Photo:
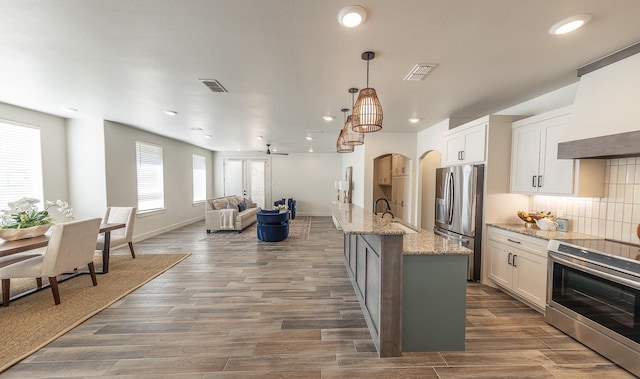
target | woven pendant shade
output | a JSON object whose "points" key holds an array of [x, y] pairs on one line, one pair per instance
{"points": [[350, 136], [367, 113], [341, 147]]}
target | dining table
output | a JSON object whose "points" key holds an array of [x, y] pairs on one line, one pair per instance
{"points": [[19, 246]]}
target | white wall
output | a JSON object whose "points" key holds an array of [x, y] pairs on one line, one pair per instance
{"points": [[86, 165], [306, 177], [120, 158], [54, 147]]}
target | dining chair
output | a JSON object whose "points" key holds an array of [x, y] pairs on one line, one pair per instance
{"points": [[124, 215], [71, 245]]}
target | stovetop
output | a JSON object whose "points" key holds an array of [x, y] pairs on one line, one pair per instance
{"points": [[604, 252], [608, 247]]}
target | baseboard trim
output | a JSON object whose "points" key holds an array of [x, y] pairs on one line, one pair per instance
{"points": [[168, 228]]}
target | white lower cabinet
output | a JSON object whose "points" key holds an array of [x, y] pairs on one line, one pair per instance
{"points": [[518, 264]]}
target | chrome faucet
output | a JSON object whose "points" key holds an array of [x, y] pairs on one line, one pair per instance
{"points": [[375, 206]]}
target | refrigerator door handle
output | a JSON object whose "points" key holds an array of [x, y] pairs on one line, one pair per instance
{"points": [[450, 237], [451, 199]]}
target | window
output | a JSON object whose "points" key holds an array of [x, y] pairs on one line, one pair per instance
{"points": [[199, 178], [150, 177], [20, 163]]}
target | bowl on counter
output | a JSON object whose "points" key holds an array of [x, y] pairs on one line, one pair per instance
{"points": [[531, 217], [546, 224]]}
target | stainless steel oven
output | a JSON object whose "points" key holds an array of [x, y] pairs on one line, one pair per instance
{"points": [[595, 298]]}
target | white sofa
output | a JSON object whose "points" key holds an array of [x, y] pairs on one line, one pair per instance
{"points": [[223, 213]]}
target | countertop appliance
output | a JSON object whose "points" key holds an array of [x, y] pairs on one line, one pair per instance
{"points": [[594, 297], [458, 215]]}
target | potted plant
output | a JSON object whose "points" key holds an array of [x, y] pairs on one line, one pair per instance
{"points": [[24, 220]]}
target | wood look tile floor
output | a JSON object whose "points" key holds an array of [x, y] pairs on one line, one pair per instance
{"points": [[287, 310]]}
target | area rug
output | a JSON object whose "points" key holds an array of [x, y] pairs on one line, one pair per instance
{"points": [[298, 230], [33, 321]]}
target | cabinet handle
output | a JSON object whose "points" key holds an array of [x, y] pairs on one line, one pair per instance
{"points": [[509, 258], [514, 260], [533, 181], [539, 180], [514, 241], [462, 155]]}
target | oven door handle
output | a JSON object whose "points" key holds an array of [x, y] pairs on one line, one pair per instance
{"points": [[601, 274]]}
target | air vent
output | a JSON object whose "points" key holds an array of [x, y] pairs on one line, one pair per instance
{"points": [[420, 71], [214, 85]]}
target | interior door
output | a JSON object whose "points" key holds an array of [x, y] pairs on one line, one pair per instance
{"points": [[247, 177]]}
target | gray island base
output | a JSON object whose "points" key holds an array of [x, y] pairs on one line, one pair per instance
{"points": [[411, 287]]}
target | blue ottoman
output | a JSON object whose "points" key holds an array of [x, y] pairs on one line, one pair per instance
{"points": [[272, 225]]}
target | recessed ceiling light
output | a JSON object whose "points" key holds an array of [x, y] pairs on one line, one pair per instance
{"points": [[308, 138], [414, 120], [70, 110], [311, 150], [207, 136], [328, 118], [569, 24], [170, 112], [259, 137], [352, 16]]}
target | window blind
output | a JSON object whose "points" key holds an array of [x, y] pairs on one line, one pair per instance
{"points": [[199, 178], [150, 178], [20, 163]]}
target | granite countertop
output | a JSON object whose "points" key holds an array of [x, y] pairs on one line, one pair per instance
{"points": [[356, 220], [543, 234]]}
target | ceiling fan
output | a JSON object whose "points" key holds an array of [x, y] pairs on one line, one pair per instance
{"points": [[269, 152]]}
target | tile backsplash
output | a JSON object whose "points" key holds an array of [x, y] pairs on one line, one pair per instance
{"points": [[614, 216]]}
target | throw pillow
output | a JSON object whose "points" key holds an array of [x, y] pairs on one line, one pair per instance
{"points": [[241, 207]]}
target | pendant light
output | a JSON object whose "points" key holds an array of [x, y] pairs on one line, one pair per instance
{"points": [[367, 113], [341, 147], [350, 136]]}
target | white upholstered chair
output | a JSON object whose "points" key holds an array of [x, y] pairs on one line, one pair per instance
{"points": [[125, 215], [71, 245]]}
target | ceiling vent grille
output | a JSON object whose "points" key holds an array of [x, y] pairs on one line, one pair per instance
{"points": [[214, 85], [420, 71]]}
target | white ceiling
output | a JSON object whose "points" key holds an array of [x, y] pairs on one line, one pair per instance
{"points": [[287, 63]]}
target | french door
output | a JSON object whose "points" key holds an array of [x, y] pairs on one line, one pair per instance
{"points": [[247, 177]]}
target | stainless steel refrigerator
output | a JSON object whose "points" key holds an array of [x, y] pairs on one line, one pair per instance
{"points": [[459, 210]]}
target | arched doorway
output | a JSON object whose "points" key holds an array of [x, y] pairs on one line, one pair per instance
{"points": [[392, 181]]}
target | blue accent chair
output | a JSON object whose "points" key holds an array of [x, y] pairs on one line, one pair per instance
{"points": [[292, 207], [272, 225]]}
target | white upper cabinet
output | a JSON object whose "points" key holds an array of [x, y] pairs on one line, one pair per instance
{"points": [[466, 145], [535, 168]]}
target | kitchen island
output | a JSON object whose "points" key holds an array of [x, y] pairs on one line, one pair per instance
{"points": [[411, 284]]}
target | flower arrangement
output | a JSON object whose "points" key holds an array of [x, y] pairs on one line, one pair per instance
{"points": [[282, 207], [24, 213]]}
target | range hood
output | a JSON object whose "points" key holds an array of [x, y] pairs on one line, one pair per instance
{"points": [[611, 146], [605, 120]]}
